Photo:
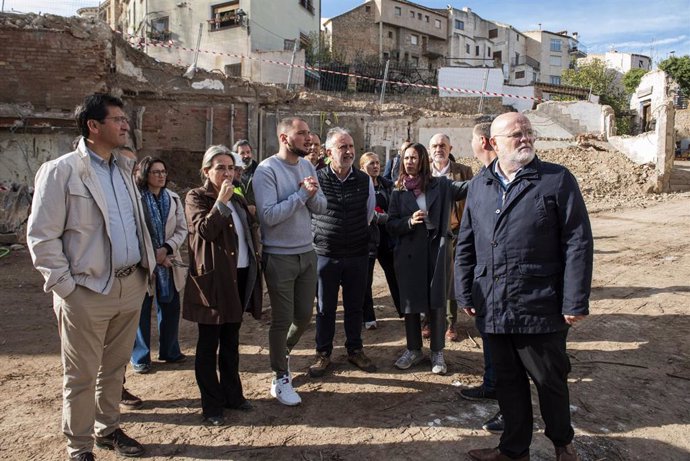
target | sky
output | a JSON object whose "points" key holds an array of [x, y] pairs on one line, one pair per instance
{"points": [[653, 28]]}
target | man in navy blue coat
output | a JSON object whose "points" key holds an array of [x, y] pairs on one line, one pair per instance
{"points": [[524, 270]]}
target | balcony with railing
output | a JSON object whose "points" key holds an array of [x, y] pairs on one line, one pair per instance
{"points": [[525, 61]]}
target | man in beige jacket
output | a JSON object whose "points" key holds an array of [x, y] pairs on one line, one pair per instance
{"points": [[88, 238]]}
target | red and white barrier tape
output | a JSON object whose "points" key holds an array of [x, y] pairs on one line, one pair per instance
{"points": [[322, 70]]}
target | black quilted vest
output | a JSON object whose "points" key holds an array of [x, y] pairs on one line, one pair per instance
{"points": [[343, 230]]}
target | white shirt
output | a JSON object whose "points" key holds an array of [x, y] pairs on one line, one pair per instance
{"points": [[242, 247]]}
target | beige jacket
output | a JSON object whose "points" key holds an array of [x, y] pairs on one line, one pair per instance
{"points": [[68, 232]]}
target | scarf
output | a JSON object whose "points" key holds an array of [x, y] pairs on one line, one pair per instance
{"points": [[157, 210], [413, 183]]}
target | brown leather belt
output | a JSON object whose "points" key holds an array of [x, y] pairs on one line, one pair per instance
{"points": [[126, 271]]}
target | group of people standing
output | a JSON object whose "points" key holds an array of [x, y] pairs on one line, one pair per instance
{"points": [[105, 240]]}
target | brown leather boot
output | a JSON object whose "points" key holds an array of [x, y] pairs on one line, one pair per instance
{"points": [[492, 454], [567, 453]]}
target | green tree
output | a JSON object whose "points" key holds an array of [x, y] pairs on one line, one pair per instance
{"points": [[679, 69], [596, 76], [632, 78]]}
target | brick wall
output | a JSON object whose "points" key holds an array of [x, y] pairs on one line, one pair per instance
{"points": [[50, 69], [355, 34], [176, 132]]}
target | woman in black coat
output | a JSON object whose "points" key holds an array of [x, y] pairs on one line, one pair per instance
{"points": [[419, 216]]}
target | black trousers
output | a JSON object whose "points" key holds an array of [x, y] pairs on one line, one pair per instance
{"points": [[413, 330], [218, 353], [541, 357], [226, 391]]}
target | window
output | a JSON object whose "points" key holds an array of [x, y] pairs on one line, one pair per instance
{"points": [[467, 48], [555, 79], [437, 23], [414, 39], [308, 5], [641, 64], [555, 61], [419, 16], [488, 52], [224, 15], [398, 11], [426, 18], [415, 61], [367, 8], [412, 14], [304, 42], [517, 37], [159, 29], [519, 74], [459, 24], [233, 70], [493, 33], [288, 45], [476, 50], [386, 56], [555, 45], [534, 77], [390, 34]]}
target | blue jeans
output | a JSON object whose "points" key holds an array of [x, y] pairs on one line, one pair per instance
{"points": [[489, 374], [351, 274], [168, 326]]}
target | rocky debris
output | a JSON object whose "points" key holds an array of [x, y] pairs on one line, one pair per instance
{"points": [[607, 178]]}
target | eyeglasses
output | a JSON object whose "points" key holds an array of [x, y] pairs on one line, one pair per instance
{"points": [[529, 134], [159, 172], [118, 119]]}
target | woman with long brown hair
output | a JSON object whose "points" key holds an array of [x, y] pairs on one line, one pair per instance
{"points": [[419, 216]]}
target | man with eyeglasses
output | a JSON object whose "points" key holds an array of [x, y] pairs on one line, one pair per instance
{"points": [[88, 238], [524, 270]]}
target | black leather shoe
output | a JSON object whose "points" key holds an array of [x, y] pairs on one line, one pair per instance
{"points": [[478, 393], [214, 421], [121, 443], [130, 400], [495, 425], [86, 456], [244, 406]]}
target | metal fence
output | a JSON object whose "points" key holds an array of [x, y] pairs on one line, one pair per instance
{"points": [[369, 77]]}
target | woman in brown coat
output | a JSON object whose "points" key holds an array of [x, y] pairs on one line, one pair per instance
{"points": [[223, 282]]}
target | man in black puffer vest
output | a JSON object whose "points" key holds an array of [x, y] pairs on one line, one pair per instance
{"points": [[341, 238]]}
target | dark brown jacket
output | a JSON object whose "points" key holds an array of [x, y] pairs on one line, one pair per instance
{"points": [[458, 172], [211, 295]]}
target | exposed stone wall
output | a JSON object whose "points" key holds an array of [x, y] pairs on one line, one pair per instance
{"points": [[355, 34], [51, 69]]}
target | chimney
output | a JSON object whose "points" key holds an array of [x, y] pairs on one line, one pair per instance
{"points": [[575, 35]]}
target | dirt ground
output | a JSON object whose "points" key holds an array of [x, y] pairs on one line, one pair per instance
{"points": [[630, 383]]}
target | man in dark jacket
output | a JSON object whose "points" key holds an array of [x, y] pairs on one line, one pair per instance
{"points": [[244, 150], [524, 269], [341, 241]]}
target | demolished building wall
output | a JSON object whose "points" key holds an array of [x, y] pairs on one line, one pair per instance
{"points": [[653, 104]]}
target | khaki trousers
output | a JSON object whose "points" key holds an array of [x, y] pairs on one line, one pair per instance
{"points": [[97, 334]]}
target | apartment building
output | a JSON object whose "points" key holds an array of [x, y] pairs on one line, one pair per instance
{"points": [[620, 62], [241, 35], [477, 42], [402, 31], [555, 51]]}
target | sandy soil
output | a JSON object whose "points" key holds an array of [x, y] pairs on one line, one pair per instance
{"points": [[630, 384]]}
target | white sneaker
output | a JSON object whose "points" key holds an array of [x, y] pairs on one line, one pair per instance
{"points": [[281, 389], [370, 325], [438, 365]]}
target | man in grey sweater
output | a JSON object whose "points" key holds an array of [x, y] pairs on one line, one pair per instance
{"points": [[287, 193]]}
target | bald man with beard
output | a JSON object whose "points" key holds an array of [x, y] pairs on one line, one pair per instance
{"points": [[524, 270]]}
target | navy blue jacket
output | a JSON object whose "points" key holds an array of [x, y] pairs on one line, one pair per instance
{"points": [[524, 254]]}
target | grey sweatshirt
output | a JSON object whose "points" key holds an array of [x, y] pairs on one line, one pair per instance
{"points": [[284, 208]]}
